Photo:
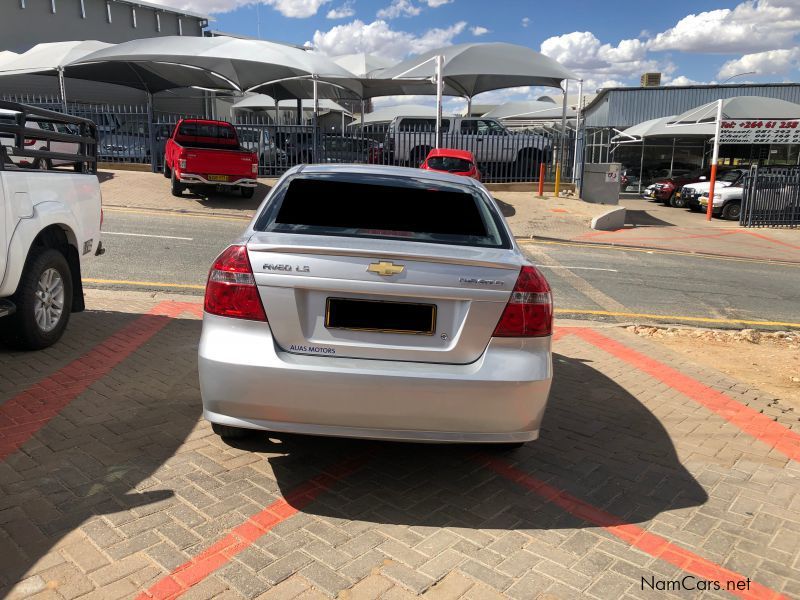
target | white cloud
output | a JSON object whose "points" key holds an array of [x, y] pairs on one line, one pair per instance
{"points": [[298, 9], [344, 11], [380, 39], [682, 80], [526, 21], [478, 31], [437, 3], [754, 25], [771, 62], [399, 8], [602, 65]]}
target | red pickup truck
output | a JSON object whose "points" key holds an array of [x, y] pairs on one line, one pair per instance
{"points": [[202, 152]]}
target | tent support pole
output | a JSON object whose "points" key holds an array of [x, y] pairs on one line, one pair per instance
{"points": [[151, 133], [362, 117], [561, 149], [299, 111], [672, 158], [62, 89], [439, 82], [469, 106], [714, 159], [577, 131], [315, 121], [641, 168]]}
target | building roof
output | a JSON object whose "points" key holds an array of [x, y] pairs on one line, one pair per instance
{"points": [[623, 107], [163, 7]]}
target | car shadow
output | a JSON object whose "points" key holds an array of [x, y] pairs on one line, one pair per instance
{"points": [[229, 199], [598, 443], [103, 176], [99, 454]]}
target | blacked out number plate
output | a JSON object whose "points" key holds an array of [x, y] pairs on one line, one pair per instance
{"points": [[380, 316]]}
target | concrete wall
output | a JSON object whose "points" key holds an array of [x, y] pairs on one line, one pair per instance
{"points": [[21, 28]]}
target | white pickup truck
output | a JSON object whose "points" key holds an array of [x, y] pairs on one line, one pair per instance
{"points": [[49, 223], [409, 139]]}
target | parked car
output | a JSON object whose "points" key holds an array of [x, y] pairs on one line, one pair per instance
{"points": [[205, 153], [271, 158], [410, 139], [690, 193], [346, 149], [667, 189], [49, 227], [449, 160], [727, 202], [356, 305], [8, 117]]}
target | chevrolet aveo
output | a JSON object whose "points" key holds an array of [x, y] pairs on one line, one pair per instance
{"points": [[377, 302]]}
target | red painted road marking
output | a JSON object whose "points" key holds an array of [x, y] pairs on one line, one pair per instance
{"points": [[242, 537], [27, 412], [652, 544], [758, 425]]}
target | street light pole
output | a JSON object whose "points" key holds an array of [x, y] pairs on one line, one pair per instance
{"points": [[714, 159]]}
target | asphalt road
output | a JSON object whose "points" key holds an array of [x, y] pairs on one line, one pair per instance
{"points": [[172, 252]]}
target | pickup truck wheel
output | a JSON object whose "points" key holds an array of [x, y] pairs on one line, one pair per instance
{"points": [[227, 432], [166, 171], [43, 164], [731, 211], [177, 186], [43, 300], [247, 192]]}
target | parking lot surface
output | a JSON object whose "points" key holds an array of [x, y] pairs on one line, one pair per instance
{"points": [[648, 471]]}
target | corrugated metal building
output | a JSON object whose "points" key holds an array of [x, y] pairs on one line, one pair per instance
{"points": [[616, 109], [625, 107], [25, 23]]}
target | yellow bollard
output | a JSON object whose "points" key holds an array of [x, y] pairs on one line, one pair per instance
{"points": [[557, 186]]}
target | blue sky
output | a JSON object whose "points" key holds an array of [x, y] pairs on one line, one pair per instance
{"points": [[608, 42]]}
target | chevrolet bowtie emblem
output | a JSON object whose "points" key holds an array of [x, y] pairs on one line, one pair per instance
{"points": [[385, 269]]}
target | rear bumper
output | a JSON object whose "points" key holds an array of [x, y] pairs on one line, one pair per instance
{"points": [[191, 179], [246, 380]]}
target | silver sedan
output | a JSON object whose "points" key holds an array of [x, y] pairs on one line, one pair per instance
{"points": [[377, 302]]}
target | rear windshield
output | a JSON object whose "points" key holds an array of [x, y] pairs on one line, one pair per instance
{"points": [[386, 208], [449, 164], [207, 130]]}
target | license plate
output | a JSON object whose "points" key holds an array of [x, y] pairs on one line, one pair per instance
{"points": [[218, 178], [380, 316]]}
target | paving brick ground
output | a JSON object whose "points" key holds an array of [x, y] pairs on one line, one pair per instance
{"points": [[126, 484]]}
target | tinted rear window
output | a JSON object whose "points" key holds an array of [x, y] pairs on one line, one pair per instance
{"points": [[207, 130], [449, 164], [412, 210]]}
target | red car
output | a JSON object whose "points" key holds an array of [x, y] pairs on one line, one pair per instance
{"points": [[449, 160], [667, 189], [202, 153]]}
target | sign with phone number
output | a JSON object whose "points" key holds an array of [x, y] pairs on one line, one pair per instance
{"points": [[760, 131]]}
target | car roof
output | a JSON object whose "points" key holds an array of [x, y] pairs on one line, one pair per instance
{"points": [[452, 152], [207, 122], [386, 170]]}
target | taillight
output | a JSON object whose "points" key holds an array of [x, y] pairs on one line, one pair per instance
{"points": [[231, 289], [255, 168], [30, 142], [529, 312], [181, 163]]}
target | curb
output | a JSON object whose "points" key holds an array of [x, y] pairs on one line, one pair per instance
{"points": [[181, 211], [533, 238]]}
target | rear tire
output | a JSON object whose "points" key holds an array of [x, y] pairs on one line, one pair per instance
{"points": [[166, 171], [177, 186], [732, 211], [42, 164], [43, 300], [247, 192], [226, 432]]}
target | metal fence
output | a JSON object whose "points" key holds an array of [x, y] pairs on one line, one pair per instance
{"points": [[130, 134], [771, 197]]}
